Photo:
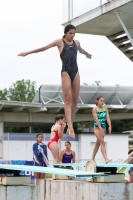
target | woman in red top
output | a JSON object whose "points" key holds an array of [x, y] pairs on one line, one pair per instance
{"points": [[57, 131]]}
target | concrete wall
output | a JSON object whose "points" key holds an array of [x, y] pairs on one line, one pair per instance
{"points": [[82, 190], [19, 192], [68, 190]]}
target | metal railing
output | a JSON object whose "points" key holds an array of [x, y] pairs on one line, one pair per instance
{"points": [[74, 8]]}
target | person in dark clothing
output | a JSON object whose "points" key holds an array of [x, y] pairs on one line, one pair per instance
{"points": [[67, 155], [40, 156]]}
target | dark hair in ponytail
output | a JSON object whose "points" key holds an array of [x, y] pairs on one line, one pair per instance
{"points": [[58, 117], [99, 97], [67, 28]]}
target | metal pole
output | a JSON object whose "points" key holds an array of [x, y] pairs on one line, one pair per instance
{"points": [[68, 10], [40, 94], [124, 27], [72, 9]]}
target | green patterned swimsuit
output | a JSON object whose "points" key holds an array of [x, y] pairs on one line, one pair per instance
{"points": [[101, 115]]}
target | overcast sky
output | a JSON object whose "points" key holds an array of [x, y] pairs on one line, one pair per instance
{"points": [[26, 25]]}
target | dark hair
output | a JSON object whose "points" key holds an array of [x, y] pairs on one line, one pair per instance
{"points": [[67, 28], [68, 142], [58, 117], [99, 97], [130, 150], [38, 135]]}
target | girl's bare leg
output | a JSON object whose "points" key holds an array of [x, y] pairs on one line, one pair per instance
{"points": [[42, 175], [131, 176], [37, 177], [75, 95], [55, 151], [95, 150], [67, 92], [100, 138]]}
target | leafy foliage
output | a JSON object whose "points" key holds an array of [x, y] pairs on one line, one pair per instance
{"points": [[22, 90]]}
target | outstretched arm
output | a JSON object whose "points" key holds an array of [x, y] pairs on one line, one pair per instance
{"points": [[81, 50], [53, 44]]}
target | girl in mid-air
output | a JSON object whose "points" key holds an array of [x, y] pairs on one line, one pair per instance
{"points": [[68, 48]]}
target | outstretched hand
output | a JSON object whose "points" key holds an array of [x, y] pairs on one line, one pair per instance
{"points": [[64, 125], [23, 54], [88, 55]]}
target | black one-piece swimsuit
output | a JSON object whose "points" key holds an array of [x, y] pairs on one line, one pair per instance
{"points": [[69, 59]]}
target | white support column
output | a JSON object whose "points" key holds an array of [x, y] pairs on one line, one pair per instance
{"points": [[125, 28], [31, 129], [1, 139]]}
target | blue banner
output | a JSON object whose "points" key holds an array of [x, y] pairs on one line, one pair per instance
{"points": [[21, 162]]}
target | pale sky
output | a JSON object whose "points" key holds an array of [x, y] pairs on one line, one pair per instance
{"points": [[29, 24]]}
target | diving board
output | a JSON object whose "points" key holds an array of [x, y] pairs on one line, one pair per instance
{"points": [[114, 165], [70, 164], [50, 170], [97, 164]]}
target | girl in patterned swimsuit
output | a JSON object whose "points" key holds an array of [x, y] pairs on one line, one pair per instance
{"points": [[68, 48], [101, 115]]}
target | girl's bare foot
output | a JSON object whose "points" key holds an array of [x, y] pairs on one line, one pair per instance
{"points": [[67, 132], [71, 133], [93, 160], [107, 161]]}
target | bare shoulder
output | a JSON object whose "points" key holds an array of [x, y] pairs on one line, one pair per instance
{"points": [[58, 127], [73, 152], [94, 109], [77, 42], [55, 127], [59, 42], [56, 42], [106, 109], [62, 152]]}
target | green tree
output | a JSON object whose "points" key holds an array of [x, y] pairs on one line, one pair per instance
{"points": [[16, 129], [4, 94], [22, 90], [122, 125]]}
